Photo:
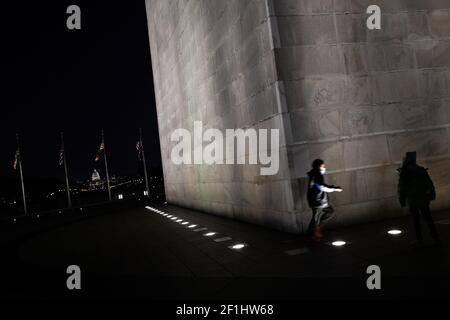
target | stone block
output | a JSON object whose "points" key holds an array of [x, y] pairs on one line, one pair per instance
{"points": [[441, 54], [385, 5], [428, 4], [351, 28], [428, 144], [363, 152], [293, 7], [381, 182], [376, 58], [434, 83], [440, 23], [395, 86], [394, 28], [362, 120], [358, 90], [331, 152], [399, 56], [298, 62], [315, 124], [306, 30], [315, 92], [418, 26], [364, 212], [406, 115], [352, 182], [355, 58]]}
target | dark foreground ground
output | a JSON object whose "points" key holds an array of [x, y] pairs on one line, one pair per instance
{"points": [[131, 252]]}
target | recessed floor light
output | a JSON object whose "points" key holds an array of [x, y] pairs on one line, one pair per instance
{"points": [[185, 223], [339, 243], [210, 234], [179, 220], [222, 239], [173, 218], [238, 246], [192, 226], [395, 232]]}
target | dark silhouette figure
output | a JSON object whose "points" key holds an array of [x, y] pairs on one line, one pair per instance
{"points": [[416, 190], [318, 199]]}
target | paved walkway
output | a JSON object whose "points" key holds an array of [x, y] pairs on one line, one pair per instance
{"points": [[143, 253]]}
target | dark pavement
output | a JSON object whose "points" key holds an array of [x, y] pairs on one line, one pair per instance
{"points": [[138, 253]]}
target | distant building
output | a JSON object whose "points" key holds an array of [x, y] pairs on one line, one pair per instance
{"points": [[95, 176], [96, 182]]}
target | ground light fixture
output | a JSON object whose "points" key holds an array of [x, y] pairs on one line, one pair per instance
{"points": [[192, 226], [394, 232], [174, 218], [180, 220], [238, 246], [339, 243], [210, 234], [185, 223]]}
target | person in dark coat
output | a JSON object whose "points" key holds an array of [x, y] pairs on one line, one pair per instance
{"points": [[416, 189], [318, 199]]}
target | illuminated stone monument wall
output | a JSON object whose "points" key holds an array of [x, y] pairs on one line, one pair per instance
{"points": [[357, 98]]}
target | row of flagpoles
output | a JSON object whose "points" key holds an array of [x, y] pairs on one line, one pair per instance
{"points": [[63, 162]]}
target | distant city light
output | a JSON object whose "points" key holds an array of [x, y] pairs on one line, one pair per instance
{"points": [[339, 243], [394, 232]]}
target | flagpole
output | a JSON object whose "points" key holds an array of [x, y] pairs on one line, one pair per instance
{"points": [[144, 162], [21, 176], [69, 200], [106, 166]]}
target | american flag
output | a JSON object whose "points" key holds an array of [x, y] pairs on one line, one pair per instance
{"points": [[16, 159], [99, 152], [61, 156], [139, 149]]}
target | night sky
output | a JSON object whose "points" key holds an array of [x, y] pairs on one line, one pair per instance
{"points": [[76, 81]]}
